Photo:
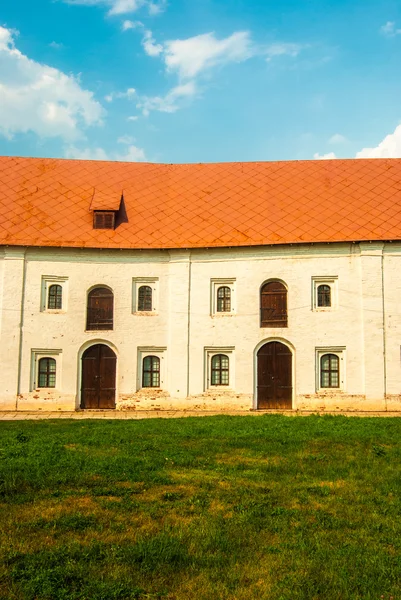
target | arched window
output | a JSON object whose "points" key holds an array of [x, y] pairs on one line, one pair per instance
{"points": [[47, 373], [273, 305], [151, 371], [100, 309], [220, 370], [145, 298], [324, 295], [329, 371], [224, 299], [55, 298]]}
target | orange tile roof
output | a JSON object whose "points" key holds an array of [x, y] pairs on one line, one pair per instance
{"points": [[48, 202]]}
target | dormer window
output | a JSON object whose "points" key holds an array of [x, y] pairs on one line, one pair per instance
{"points": [[103, 219]]}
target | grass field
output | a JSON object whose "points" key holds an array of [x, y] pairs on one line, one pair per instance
{"points": [[230, 508]]}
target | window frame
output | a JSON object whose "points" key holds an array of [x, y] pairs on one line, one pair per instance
{"points": [[102, 217], [209, 353], [142, 302], [220, 370], [36, 355], [332, 282], [153, 371], [46, 284], [215, 285], [159, 352], [47, 372], [137, 283], [340, 352]]}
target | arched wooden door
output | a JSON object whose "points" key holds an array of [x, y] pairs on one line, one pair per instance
{"points": [[98, 388], [274, 365]]}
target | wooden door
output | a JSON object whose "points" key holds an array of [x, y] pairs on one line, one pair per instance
{"points": [[273, 305], [274, 367], [98, 389]]}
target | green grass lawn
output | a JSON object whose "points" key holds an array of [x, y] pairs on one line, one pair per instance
{"points": [[230, 508]]}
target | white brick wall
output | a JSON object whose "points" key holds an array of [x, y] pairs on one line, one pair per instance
{"points": [[184, 325]]}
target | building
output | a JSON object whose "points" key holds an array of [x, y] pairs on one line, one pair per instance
{"points": [[209, 286]]}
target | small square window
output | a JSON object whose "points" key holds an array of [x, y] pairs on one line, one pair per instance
{"points": [[103, 219], [222, 297], [324, 293]]}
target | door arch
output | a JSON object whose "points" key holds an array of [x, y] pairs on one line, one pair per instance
{"points": [[98, 379], [274, 376]]}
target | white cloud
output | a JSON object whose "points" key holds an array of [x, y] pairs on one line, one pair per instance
{"points": [[328, 156], [282, 50], [390, 147], [122, 7], [389, 29], [133, 118], [133, 154], [150, 46], [56, 45], [127, 24], [191, 56], [129, 93], [337, 138], [125, 139], [170, 102], [39, 98], [148, 42]]}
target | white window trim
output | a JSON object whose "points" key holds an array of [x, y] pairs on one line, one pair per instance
{"points": [[339, 351], [211, 351], [332, 281], [160, 352], [47, 281], [152, 282], [36, 355], [215, 284]]}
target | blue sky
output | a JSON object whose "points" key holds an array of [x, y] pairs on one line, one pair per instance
{"points": [[200, 80]]}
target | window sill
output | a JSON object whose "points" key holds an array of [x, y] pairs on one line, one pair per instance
{"points": [[54, 311], [96, 330], [145, 313]]}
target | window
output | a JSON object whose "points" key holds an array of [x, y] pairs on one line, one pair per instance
{"points": [[100, 309], [273, 305], [324, 293], [55, 298], [151, 371], [145, 295], [103, 219], [46, 368], [54, 294], [329, 371], [223, 299], [145, 298], [220, 370], [47, 373]]}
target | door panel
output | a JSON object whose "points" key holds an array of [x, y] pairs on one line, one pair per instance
{"points": [[274, 368], [98, 388]]}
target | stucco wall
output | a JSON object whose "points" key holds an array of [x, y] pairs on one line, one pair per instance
{"points": [[183, 330]]}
